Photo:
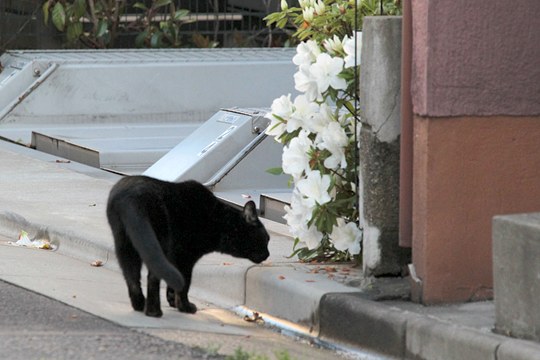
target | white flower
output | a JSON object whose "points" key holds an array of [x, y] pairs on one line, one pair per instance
{"points": [[310, 236], [308, 13], [349, 47], [280, 111], [325, 72], [303, 112], [346, 119], [276, 128], [346, 236], [299, 213], [304, 82], [306, 53], [320, 119], [315, 188], [334, 139], [284, 5], [304, 3], [295, 157], [333, 45], [319, 7], [282, 106]]}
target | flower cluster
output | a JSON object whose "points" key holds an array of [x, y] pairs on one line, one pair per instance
{"points": [[319, 129]]}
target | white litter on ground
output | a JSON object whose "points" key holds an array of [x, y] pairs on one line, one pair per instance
{"points": [[25, 241]]}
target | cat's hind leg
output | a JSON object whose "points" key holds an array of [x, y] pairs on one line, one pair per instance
{"points": [[180, 301], [131, 264], [153, 307]]}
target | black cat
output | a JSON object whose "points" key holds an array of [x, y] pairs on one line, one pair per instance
{"points": [[169, 227]]}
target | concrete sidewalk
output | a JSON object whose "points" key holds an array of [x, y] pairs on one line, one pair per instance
{"points": [[65, 202]]}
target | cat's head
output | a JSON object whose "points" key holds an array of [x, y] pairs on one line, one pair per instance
{"points": [[250, 238]]}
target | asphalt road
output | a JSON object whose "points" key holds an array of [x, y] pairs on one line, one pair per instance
{"points": [[33, 326]]}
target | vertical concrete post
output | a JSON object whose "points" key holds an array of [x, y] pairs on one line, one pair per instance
{"points": [[380, 81]]}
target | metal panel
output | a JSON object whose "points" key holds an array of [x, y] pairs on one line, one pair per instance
{"points": [[134, 85], [272, 205], [247, 178], [115, 147], [80, 109], [65, 149], [201, 155]]}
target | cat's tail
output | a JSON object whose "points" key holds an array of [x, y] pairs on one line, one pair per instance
{"points": [[144, 240]]}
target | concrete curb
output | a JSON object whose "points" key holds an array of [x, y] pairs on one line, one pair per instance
{"points": [[377, 327], [388, 330], [289, 292]]}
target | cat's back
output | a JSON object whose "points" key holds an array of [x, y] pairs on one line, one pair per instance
{"points": [[133, 186], [144, 189]]}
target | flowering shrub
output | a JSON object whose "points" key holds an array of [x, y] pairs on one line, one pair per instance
{"points": [[319, 127]]}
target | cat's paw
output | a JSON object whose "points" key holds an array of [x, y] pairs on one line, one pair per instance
{"points": [[153, 312], [190, 308], [137, 302]]}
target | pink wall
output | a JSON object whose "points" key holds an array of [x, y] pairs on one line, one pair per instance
{"points": [[475, 88], [467, 170], [473, 57]]}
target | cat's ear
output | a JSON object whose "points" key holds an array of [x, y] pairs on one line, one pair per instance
{"points": [[250, 212]]}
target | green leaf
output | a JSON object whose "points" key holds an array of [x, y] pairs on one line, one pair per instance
{"points": [[79, 8], [180, 14], [307, 255], [59, 16], [348, 105], [140, 6], [73, 31], [281, 23], [99, 7], [275, 171], [271, 18], [161, 3], [102, 28], [141, 38], [295, 253], [155, 40], [45, 9]]}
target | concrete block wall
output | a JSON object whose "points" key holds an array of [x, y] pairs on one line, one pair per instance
{"points": [[516, 273]]}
